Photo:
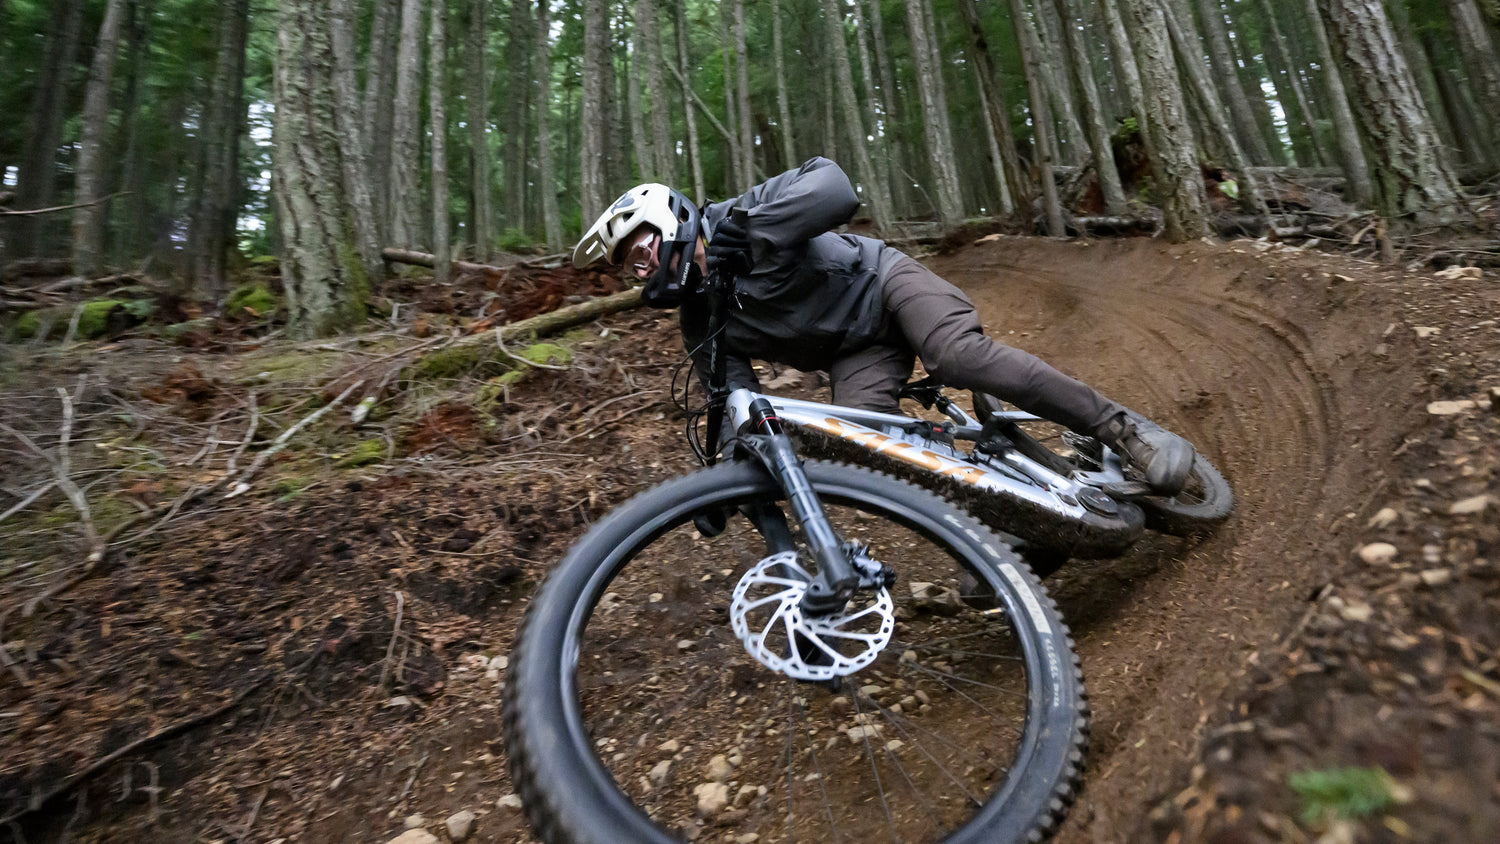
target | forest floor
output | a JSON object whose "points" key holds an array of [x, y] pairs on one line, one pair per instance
{"points": [[331, 641]]}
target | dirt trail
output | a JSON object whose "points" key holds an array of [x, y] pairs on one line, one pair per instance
{"points": [[1259, 377]]}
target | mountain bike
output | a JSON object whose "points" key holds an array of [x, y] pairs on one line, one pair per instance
{"points": [[879, 666]]}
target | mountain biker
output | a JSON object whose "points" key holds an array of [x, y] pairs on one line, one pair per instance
{"points": [[853, 306]]}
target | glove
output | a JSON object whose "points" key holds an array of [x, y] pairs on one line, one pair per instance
{"points": [[729, 249]]}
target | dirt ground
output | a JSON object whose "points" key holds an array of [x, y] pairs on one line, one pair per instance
{"points": [[343, 629]]}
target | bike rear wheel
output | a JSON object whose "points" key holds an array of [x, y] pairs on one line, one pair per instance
{"points": [[633, 713]]}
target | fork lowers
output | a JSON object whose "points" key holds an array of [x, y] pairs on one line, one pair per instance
{"points": [[836, 579]]}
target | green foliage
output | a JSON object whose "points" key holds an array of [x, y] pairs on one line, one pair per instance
{"points": [[452, 362], [369, 451], [515, 240], [1348, 793], [254, 299], [546, 353]]}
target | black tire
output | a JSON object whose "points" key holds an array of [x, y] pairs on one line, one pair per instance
{"points": [[1202, 505], [599, 678]]}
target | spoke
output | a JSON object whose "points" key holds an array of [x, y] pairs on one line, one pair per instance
{"points": [[901, 724], [875, 769], [913, 646], [818, 767]]}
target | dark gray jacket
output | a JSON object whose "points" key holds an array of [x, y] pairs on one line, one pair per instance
{"points": [[813, 296]]}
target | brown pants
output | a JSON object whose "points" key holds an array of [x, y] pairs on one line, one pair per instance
{"points": [[931, 319]]}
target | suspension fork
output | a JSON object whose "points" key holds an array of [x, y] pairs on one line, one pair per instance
{"points": [[836, 579]]}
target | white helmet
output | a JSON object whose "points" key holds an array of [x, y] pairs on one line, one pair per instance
{"points": [[669, 212]]}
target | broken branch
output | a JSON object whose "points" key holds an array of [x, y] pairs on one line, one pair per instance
{"points": [[243, 484]]}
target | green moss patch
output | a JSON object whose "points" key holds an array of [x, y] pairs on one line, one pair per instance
{"points": [[548, 353], [365, 453], [251, 300]]}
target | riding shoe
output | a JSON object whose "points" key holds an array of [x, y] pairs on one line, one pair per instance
{"points": [[1163, 457]]}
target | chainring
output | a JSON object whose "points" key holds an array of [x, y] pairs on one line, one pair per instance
{"points": [[767, 616]]}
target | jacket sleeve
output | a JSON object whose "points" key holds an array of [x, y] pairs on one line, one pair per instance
{"points": [[693, 318], [798, 205]]}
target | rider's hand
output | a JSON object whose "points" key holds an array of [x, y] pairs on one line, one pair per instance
{"points": [[729, 248]]}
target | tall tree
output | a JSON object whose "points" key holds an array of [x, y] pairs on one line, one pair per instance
{"points": [[519, 36], [88, 229], [1041, 118], [377, 108], [635, 108], [1411, 177], [211, 231], [326, 287], [1174, 151], [891, 107], [874, 191], [877, 133], [1015, 187], [939, 144], [406, 143], [1416, 58], [734, 163], [662, 148], [1299, 115], [37, 180], [742, 95], [1104, 155], [437, 102], [594, 191], [1247, 128], [354, 150], [680, 70], [1126, 66], [477, 99], [1351, 154], [546, 172], [1477, 50], [783, 109]]}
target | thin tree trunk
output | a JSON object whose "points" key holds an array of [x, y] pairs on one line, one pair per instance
{"points": [[547, 174], [640, 144], [656, 91], [695, 150], [36, 185], [437, 101], [734, 162], [326, 288], [742, 88], [880, 153], [595, 54], [1190, 60], [1129, 69], [516, 120], [1174, 159], [783, 109], [1477, 50], [1411, 178], [1416, 58], [890, 105], [1058, 79], [1299, 114], [1351, 155], [874, 192], [406, 144], [1465, 128], [1247, 128], [939, 145], [477, 97], [1015, 186], [949, 166], [125, 226], [1041, 121], [88, 218], [212, 228], [1104, 156], [353, 150], [378, 109]]}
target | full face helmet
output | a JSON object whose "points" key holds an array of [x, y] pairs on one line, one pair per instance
{"points": [[672, 215]]}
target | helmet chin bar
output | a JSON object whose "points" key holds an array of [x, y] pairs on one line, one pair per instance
{"points": [[674, 279]]}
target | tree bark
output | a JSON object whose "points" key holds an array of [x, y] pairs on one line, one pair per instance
{"points": [[517, 100], [662, 147], [1416, 58], [546, 172], [1477, 50], [595, 54], [211, 231], [326, 287], [1041, 120], [88, 219], [1015, 186], [874, 192], [1412, 180], [880, 143], [1190, 60], [1351, 155], [1246, 126], [353, 148], [742, 90], [939, 144], [640, 143], [1058, 79], [477, 100], [783, 109], [378, 109], [126, 227], [1174, 158], [1104, 155], [1129, 70], [1299, 114], [406, 143], [892, 106], [437, 102], [734, 162], [695, 151], [36, 187]]}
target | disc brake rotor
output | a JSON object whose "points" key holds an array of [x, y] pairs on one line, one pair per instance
{"points": [[767, 616]]}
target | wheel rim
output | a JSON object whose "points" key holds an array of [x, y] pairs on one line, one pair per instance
{"points": [[907, 749]]}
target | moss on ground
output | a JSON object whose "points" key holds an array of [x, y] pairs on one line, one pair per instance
{"points": [[362, 454], [251, 299]]}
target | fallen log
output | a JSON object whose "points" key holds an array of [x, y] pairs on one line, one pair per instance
{"points": [[543, 325], [423, 259]]}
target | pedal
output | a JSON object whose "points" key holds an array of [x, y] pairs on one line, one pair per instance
{"points": [[1127, 489]]}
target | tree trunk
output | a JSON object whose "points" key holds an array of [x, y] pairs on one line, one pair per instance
{"points": [[1411, 177], [37, 180], [378, 109], [1477, 50], [516, 120], [1058, 80], [1466, 127], [126, 225], [1351, 155], [880, 145], [874, 192], [1416, 58], [595, 54], [1190, 60], [406, 142], [1128, 68], [1299, 114], [783, 109], [640, 144], [326, 288], [437, 101], [1015, 186], [546, 172], [353, 149], [1174, 158], [734, 163], [88, 220], [892, 106], [939, 145], [742, 89], [1104, 155], [211, 230], [477, 97], [684, 65], [656, 91], [1041, 120], [1227, 70]]}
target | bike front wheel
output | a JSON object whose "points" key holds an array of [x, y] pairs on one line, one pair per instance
{"points": [[634, 712]]}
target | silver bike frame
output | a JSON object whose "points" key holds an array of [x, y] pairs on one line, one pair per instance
{"points": [[1010, 473]]}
